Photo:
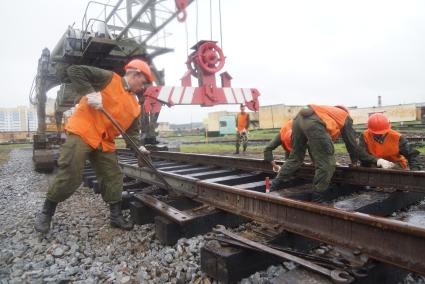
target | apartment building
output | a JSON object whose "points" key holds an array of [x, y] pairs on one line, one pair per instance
{"points": [[19, 118]]}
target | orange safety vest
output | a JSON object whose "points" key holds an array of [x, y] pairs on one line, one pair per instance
{"points": [[389, 150], [242, 120], [285, 127], [333, 117], [94, 127]]}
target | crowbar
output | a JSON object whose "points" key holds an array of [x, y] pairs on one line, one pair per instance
{"points": [[337, 275], [139, 153]]}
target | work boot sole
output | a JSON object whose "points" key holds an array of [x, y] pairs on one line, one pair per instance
{"points": [[126, 228]]}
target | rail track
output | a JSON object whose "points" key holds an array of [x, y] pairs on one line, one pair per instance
{"points": [[417, 140], [236, 186]]}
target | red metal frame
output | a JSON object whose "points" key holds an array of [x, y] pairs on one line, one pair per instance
{"points": [[206, 60]]}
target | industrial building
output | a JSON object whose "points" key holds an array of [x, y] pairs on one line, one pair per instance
{"points": [[273, 116]]}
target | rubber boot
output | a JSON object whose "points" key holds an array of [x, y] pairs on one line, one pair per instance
{"points": [[117, 219], [237, 151], [317, 196], [44, 218]]}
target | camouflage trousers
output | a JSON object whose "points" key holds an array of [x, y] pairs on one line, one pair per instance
{"points": [[312, 131], [73, 155], [241, 137]]}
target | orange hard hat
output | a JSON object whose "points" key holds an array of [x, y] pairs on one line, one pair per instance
{"points": [[141, 66], [378, 123], [287, 140], [343, 108]]}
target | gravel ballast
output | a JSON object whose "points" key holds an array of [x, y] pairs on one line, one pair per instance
{"points": [[82, 247]]}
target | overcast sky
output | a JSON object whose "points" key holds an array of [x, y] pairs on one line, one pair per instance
{"points": [[293, 52]]}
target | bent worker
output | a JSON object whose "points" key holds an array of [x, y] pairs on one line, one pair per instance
{"points": [[242, 124], [318, 126], [388, 148], [91, 136], [283, 138]]}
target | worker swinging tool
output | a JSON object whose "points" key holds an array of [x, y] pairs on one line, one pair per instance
{"points": [[91, 132]]}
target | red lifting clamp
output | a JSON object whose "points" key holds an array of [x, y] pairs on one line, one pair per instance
{"points": [[210, 57], [206, 60]]}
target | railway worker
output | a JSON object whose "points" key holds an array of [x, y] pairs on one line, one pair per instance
{"points": [[242, 124], [319, 126], [381, 142], [283, 138], [91, 136]]}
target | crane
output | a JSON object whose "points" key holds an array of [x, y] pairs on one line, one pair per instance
{"points": [[119, 33]]}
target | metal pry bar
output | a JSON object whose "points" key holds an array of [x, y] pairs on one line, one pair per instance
{"points": [[136, 149], [337, 275]]}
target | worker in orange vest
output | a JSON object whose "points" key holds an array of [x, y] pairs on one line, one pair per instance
{"points": [[389, 149], [318, 126], [283, 138], [242, 124], [91, 136]]}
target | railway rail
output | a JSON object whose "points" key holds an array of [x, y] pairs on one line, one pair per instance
{"points": [[395, 179], [417, 140], [236, 185]]}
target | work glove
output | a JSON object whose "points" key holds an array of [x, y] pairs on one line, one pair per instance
{"points": [[144, 150], [382, 163], [276, 167], [245, 131], [95, 100], [141, 160], [67, 114]]}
